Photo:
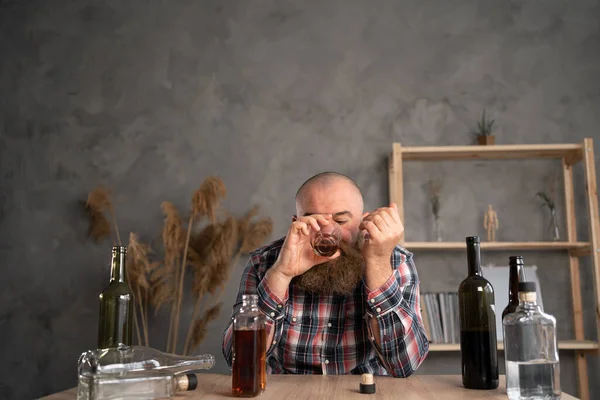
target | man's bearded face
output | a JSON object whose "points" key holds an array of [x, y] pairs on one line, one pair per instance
{"points": [[340, 276]]}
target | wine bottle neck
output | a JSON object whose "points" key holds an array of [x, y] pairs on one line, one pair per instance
{"points": [[515, 276], [474, 259], [118, 265]]}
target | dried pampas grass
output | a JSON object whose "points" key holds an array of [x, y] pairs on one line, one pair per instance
{"points": [[199, 325], [209, 247], [98, 202], [207, 198], [139, 268]]}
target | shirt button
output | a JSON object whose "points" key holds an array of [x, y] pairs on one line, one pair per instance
{"points": [[272, 314], [279, 306], [329, 324], [378, 309], [326, 361], [294, 319], [372, 300], [274, 342]]}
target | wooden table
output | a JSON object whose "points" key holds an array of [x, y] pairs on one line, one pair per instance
{"points": [[334, 387]]}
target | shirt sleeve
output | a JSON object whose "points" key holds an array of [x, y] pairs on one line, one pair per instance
{"points": [[396, 306], [269, 304]]}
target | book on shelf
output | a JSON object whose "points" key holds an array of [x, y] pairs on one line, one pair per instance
{"points": [[440, 317], [439, 310]]}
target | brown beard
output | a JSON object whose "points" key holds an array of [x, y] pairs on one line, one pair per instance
{"points": [[340, 276]]}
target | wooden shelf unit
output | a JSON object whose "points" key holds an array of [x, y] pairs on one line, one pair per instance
{"points": [[583, 345], [500, 246], [569, 154]]}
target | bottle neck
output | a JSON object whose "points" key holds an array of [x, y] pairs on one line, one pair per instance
{"points": [[118, 265], [474, 259], [515, 276], [528, 299]]}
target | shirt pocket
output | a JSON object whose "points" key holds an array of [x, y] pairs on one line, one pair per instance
{"points": [[297, 338]]}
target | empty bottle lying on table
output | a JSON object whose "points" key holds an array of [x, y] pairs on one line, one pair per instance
{"points": [[531, 353], [148, 385], [134, 369]]}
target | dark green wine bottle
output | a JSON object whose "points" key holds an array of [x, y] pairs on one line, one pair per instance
{"points": [[516, 274], [116, 305], [478, 343]]}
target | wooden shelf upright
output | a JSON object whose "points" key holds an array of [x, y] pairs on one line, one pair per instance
{"points": [[570, 155]]}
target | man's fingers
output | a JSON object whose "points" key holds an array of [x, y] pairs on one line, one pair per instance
{"points": [[394, 212], [389, 220], [380, 223], [316, 221], [301, 226], [373, 230]]}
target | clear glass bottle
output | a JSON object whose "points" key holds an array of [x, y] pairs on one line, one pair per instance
{"points": [[136, 386], [139, 358], [531, 353], [249, 364], [115, 322]]}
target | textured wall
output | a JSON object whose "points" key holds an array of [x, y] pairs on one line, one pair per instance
{"points": [[150, 97]]}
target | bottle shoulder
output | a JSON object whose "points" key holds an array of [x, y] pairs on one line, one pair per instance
{"points": [[529, 317], [475, 282], [117, 288]]}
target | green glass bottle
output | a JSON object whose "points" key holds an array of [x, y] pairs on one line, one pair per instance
{"points": [[478, 340], [116, 305]]}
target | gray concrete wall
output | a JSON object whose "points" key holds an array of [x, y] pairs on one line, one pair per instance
{"points": [[150, 97]]}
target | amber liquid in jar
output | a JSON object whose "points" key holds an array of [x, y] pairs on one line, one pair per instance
{"points": [[249, 368]]}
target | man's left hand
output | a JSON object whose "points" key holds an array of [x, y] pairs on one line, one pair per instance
{"points": [[384, 230]]}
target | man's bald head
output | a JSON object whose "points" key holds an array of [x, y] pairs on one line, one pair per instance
{"points": [[328, 185]]}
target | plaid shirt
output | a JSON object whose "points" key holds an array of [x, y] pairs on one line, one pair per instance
{"points": [[317, 334]]}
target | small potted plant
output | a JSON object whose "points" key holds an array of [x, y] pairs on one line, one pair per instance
{"points": [[484, 131]]}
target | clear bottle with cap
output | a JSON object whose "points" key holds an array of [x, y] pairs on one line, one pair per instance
{"points": [[154, 384], [530, 348], [128, 359], [249, 376]]}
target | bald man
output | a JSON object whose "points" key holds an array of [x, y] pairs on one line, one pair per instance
{"points": [[355, 312]]}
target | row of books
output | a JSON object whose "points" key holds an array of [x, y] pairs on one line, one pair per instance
{"points": [[440, 317]]}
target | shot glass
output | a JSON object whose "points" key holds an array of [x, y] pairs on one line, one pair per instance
{"points": [[326, 241]]}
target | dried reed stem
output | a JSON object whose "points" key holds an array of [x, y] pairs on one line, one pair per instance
{"points": [[181, 277], [144, 322], [205, 202], [172, 244]]}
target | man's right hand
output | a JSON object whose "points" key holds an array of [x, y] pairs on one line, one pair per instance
{"points": [[296, 255]]}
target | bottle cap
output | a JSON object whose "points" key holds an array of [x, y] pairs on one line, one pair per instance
{"points": [[527, 287], [473, 239], [367, 386], [515, 260], [187, 382], [192, 381]]}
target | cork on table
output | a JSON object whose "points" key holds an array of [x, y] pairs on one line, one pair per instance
{"points": [[338, 387]]}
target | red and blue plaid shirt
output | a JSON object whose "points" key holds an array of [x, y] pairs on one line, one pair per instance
{"points": [[316, 334]]}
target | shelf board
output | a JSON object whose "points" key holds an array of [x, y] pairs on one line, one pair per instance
{"points": [[588, 345], [573, 152], [579, 246]]}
